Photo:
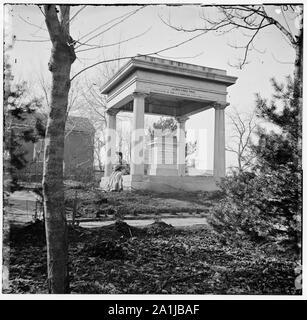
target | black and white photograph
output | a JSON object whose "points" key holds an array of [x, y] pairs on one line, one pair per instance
{"points": [[152, 149]]}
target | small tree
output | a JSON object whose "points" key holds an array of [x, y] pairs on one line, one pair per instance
{"points": [[19, 118], [240, 144], [63, 55], [266, 204], [283, 111]]}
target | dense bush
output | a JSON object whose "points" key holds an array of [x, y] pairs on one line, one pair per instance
{"points": [[21, 125], [266, 203], [260, 207]]}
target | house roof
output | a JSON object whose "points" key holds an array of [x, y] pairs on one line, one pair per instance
{"points": [[73, 123], [80, 124]]}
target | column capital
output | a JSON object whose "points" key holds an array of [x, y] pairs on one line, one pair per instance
{"points": [[112, 112], [220, 105], [182, 119], [140, 94]]}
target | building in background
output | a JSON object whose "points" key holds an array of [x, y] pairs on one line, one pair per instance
{"points": [[78, 151]]}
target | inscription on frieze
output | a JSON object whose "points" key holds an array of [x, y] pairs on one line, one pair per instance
{"points": [[183, 92], [175, 91]]}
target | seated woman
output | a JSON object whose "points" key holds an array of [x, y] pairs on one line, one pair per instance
{"points": [[115, 182]]}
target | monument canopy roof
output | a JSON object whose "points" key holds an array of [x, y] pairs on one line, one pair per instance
{"points": [[171, 88], [159, 65]]}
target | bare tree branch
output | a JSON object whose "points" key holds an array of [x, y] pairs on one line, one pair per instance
{"points": [[32, 24], [104, 24], [74, 16], [244, 17], [145, 54], [244, 129], [186, 57], [28, 40], [93, 47], [109, 28], [44, 88]]}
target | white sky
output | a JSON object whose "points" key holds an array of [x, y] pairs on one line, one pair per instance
{"points": [[30, 58]]}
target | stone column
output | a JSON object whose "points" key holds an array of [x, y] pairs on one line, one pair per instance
{"points": [[219, 141], [138, 136], [110, 142], [181, 145]]}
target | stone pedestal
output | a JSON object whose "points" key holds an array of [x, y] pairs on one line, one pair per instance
{"points": [[162, 151]]}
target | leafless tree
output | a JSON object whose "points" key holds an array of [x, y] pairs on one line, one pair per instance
{"points": [[62, 57], [94, 101], [94, 107], [241, 139], [74, 96], [63, 54], [252, 19]]}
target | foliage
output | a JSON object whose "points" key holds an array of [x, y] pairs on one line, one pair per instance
{"points": [[165, 124], [275, 149], [261, 207], [266, 205], [20, 125]]}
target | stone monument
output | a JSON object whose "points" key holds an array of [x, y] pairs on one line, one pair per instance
{"points": [[165, 87]]}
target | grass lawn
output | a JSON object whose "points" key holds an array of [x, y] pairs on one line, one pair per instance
{"points": [[95, 203]]}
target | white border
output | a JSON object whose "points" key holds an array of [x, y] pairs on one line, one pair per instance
{"points": [[155, 297]]}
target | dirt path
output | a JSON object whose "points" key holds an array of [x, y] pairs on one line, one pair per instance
{"points": [[22, 207], [175, 222]]}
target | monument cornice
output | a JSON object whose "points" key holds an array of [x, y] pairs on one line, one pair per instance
{"points": [[168, 67]]}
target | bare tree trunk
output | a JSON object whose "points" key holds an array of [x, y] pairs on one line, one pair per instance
{"points": [[239, 162], [298, 84], [298, 64], [62, 56]]}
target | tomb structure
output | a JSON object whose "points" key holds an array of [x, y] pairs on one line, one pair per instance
{"points": [[147, 85]]}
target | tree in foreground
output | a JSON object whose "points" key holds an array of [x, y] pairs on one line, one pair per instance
{"points": [[62, 57]]}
